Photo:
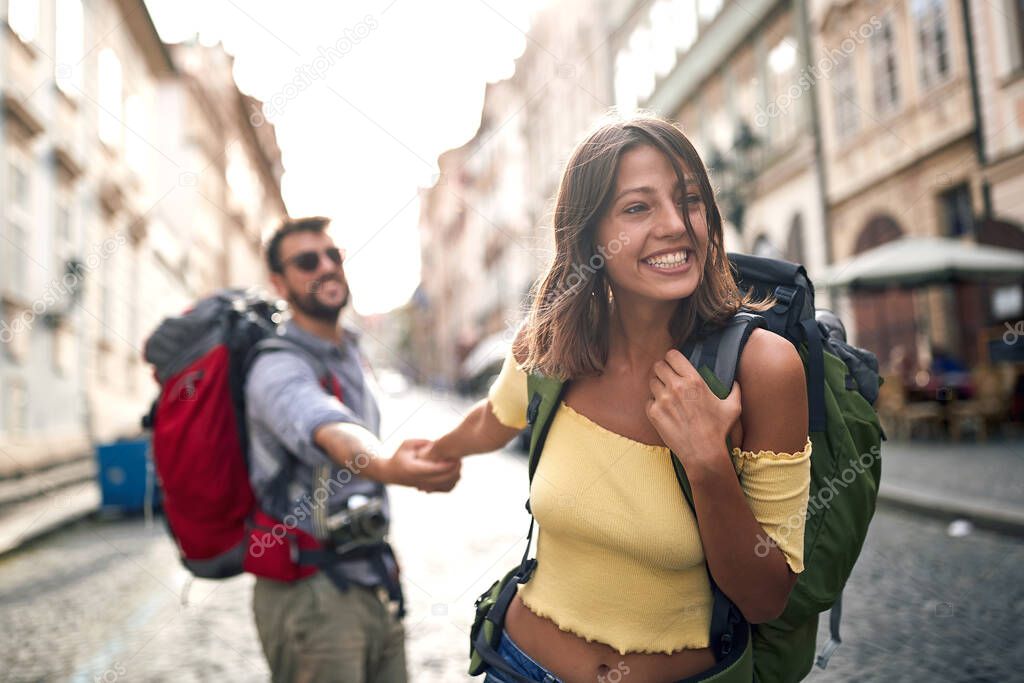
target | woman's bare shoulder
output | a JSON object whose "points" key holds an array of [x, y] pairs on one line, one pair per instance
{"points": [[773, 393]]}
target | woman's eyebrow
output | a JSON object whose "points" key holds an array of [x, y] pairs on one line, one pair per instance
{"points": [[647, 189]]}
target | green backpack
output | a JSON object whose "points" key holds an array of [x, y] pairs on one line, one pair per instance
{"points": [[846, 437]]}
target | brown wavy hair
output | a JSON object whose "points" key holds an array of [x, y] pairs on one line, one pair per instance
{"points": [[567, 329]]}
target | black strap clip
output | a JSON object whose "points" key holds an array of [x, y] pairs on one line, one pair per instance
{"points": [[533, 409], [784, 295], [726, 644]]}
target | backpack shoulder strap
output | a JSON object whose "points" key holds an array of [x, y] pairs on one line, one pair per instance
{"points": [[544, 395], [718, 353], [716, 357], [278, 343]]}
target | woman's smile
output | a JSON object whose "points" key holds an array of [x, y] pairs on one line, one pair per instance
{"points": [[669, 262]]}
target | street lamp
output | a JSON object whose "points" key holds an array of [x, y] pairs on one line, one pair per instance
{"points": [[72, 277], [735, 172]]}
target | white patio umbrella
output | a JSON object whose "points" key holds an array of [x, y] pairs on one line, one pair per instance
{"points": [[921, 261]]}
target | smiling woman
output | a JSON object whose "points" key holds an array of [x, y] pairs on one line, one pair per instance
{"points": [[639, 184], [620, 583]]}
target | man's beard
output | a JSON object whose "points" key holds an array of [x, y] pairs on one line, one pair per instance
{"points": [[308, 304]]}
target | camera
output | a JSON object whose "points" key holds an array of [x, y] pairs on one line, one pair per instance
{"points": [[361, 524]]}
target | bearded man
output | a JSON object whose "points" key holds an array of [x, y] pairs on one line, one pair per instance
{"points": [[315, 463]]}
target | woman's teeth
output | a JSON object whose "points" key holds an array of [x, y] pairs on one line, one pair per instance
{"points": [[672, 260]]}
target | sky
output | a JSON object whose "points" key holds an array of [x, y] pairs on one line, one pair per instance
{"points": [[363, 96]]}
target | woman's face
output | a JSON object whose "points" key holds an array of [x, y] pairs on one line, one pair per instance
{"points": [[654, 258]]}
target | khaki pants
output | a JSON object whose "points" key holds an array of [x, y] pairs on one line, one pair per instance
{"points": [[312, 632]]}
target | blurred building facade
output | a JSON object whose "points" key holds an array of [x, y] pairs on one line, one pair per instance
{"points": [[485, 224], [997, 38], [476, 240], [998, 42], [727, 79], [900, 150], [134, 182], [828, 127]]}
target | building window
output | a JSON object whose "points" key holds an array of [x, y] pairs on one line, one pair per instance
{"points": [[111, 129], [135, 120], [844, 93], [684, 23], [932, 40], [64, 348], [69, 46], [63, 248], [795, 241], [641, 48], [764, 247], [23, 18], [708, 10], [663, 28], [784, 115], [1007, 302], [20, 192], [15, 330], [16, 244], [16, 407], [884, 67], [1015, 32], [106, 304], [957, 214]]}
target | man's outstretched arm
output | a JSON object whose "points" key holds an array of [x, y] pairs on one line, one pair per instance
{"points": [[284, 395], [356, 448]]}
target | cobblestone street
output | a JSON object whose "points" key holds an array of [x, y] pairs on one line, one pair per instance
{"points": [[102, 600]]}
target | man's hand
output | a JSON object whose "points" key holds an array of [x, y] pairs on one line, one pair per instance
{"points": [[409, 467], [433, 452]]}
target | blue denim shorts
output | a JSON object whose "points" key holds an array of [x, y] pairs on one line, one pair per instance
{"points": [[734, 669], [519, 662]]}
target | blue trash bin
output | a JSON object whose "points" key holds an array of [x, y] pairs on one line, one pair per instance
{"points": [[126, 475]]}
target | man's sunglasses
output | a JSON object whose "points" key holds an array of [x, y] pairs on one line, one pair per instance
{"points": [[308, 261]]}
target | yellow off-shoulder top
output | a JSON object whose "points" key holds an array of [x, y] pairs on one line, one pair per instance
{"points": [[619, 557]]}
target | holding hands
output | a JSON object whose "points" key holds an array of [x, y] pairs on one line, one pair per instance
{"points": [[412, 466]]}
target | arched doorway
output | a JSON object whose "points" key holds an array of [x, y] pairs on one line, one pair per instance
{"points": [[764, 247], [885, 320], [795, 240], [980, 308]]}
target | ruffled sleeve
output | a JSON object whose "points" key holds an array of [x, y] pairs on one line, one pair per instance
{"points": [[507, 395], [777, 486]]}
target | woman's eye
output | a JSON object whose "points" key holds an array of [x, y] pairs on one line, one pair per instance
{"points": [[635, 208]]}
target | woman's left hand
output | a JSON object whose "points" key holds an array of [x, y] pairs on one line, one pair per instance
{"points": [[691, 420]]}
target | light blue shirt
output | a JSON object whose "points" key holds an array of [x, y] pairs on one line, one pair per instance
{"points": [[294, 480]]}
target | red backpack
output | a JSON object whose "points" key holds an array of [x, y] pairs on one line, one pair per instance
{"points": [[200, 441]]}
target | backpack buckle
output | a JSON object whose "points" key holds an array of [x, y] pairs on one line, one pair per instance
{"points": [[784, 295], [726, 644]]}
